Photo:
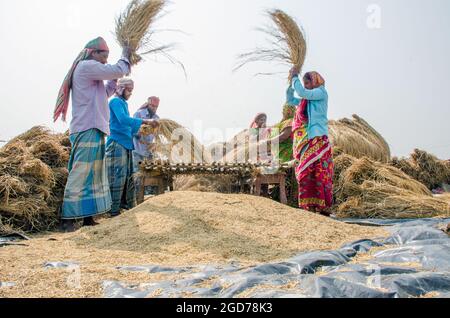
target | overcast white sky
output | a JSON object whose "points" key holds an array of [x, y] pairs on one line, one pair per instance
{"points": [[396, 76]]}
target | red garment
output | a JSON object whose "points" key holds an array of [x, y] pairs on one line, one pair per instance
{"points": [[315, 175], [314, 169]]}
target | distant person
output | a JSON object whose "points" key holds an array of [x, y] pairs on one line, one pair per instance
{"points": [[312, 148], [87, 192], [142, 144], [119, 148]]}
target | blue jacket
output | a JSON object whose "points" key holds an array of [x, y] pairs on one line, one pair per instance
{"points": [[123, 127], [317, 106]]}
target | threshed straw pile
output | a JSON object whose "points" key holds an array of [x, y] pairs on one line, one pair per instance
{"points": [[425, 168], [365, 188], [175, 143], [134, 29], [203, 183], [33, 175], [287, 41], [357, 138]]}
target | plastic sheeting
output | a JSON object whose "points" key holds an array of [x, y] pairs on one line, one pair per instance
{"points": [[414, 261]]}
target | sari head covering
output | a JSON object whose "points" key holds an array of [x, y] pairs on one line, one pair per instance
{"points": [[122, 85], [62, 103], [254, 124], [315, 78]]}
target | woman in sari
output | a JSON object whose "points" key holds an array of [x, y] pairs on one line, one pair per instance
{"points": [[312, 148]]}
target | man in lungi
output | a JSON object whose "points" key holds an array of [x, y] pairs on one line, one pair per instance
{"points": [[142, 143], [119, 148], [87, 191]]}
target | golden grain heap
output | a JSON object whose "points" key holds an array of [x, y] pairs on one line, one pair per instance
{"points": [[33, 175], [287, 43]]}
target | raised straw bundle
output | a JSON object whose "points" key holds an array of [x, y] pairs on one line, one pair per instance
{"points": [[33, 176], [364, 188], [135, 30], [357, 138], [175, 143], [287, 41]]}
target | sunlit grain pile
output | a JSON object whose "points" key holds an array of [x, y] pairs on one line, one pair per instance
{"points": [[32, 179], [287, 43], [357, 138], [368, 189], [425, 168], [175, 143], [197, 227]]}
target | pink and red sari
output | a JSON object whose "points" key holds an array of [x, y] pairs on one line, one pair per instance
{"points": [[314, 168]]}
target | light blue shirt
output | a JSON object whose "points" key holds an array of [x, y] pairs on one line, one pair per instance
{"points": [[317, 106], [141, 142]]}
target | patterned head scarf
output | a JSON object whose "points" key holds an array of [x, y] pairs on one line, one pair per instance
{"points": [[62, 103], [258, 116], [316, 79], [122, 85]]}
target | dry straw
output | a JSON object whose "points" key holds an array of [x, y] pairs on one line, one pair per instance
{"points": [[33, 177], [135, 30], [364, 188], [287, 43], [425, 168], [172, 141], [357, 138]]}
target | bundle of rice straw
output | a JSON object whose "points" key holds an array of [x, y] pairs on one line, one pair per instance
{"points": [[357, 138], [172, 141], [364, 188], [287, 40], [134, 29], [203, 183], [33, 176], [424, 167]]}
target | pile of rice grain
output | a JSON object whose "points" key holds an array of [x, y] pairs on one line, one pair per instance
{"points": [[193, 227]]}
